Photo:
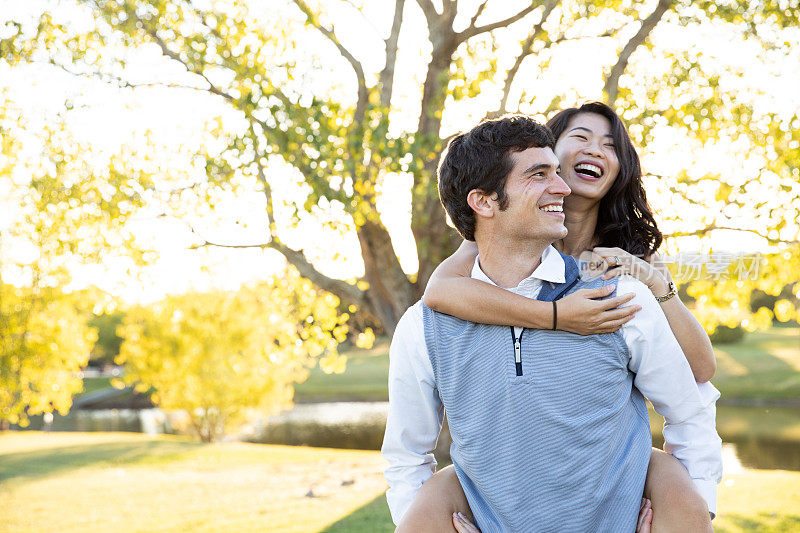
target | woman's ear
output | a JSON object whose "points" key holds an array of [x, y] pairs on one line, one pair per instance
{"points": [[483, 204]]}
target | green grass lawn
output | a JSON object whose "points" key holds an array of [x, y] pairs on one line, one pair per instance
{"points": [[85, 482], [766, 364], [365, 378]]}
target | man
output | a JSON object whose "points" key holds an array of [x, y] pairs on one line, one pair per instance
{"points": [[548, 431]]}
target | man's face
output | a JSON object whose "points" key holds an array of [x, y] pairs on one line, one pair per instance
{"points": [[535, 198]]}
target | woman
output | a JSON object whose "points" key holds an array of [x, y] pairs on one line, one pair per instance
{"points": [[607, 213]]}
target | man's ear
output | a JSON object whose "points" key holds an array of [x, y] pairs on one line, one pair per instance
{"points": [[482, 203]]}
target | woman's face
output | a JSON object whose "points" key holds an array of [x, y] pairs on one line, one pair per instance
{"points": [[588, 158]]}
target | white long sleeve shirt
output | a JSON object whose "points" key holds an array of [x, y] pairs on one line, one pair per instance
{"points": [[662, 373]]}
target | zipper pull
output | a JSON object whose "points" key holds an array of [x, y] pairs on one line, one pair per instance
{"points": [[517, 350]]}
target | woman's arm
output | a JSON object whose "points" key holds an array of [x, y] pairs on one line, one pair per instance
{"points": [[451, 290], [691, 336]]}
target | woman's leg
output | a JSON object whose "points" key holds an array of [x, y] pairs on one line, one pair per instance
{"points": [[677, 504], [433, 507]]}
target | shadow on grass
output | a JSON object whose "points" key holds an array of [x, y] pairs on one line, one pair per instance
{"points": [[41, 463], [763, 523], [373, 517]]}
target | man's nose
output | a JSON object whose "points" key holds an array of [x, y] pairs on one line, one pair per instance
{"points": [[559, 186]]}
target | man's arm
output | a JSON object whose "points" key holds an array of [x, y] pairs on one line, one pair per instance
{"points": [[415, 414], [663, 375]]}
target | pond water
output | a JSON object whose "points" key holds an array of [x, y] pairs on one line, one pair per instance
{"points": [[754, 437], [762, 437]]}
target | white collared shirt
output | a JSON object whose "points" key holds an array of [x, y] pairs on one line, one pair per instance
{"points": [[662, 372]]}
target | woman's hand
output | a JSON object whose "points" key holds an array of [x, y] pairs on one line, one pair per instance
{"points": [[581, 313], [645, 517], [463, 525], [618, 261]]}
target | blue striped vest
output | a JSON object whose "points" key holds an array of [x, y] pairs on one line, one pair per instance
{"points": [[559, 441]]}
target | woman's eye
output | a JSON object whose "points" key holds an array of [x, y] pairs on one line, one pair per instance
{"points": [[581, 137]]}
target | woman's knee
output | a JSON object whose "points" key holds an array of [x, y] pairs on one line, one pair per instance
{"points": [[674, 496], [667, 477], [435, 503]]}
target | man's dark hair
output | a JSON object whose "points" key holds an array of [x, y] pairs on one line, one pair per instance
{"points": [[624, 219], [481, 159]]}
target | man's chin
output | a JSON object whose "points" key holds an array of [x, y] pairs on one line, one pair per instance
{"points": [[559, 233]]}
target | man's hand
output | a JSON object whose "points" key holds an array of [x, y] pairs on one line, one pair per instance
{"points": [[581, 313]]}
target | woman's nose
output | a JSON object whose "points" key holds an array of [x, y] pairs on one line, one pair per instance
{"points": [[594, 150]]}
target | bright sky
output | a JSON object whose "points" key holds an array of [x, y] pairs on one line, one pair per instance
{"points": [[114, 118]]}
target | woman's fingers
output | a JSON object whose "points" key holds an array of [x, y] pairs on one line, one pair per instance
{"points": [[613, 272], [645, 518], [463, 525]]}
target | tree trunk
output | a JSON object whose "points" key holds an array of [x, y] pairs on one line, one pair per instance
{"points": [[435, 239], [390, 292]]}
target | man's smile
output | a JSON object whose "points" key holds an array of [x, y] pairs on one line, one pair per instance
{"points": [[553, 209]]}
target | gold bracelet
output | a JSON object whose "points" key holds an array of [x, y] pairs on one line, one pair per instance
{"points": [[672, 292]]}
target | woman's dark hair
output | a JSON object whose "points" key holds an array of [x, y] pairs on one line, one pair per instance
{"points": [[481, 159], [625, 219]]}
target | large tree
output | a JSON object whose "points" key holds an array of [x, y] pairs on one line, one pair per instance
{"points": [[315, 99]]}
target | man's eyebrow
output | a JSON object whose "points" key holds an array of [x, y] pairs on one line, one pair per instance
{"points": [[540, 166], [588, 130]]}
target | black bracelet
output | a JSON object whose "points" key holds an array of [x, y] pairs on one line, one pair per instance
{"points": [[555, 315]]}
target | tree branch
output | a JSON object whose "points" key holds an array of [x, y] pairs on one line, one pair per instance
{"points": [[346, 292], [473, 30], [478, 13], [122, 83], [366, 20], [349, 294], [172, 55], [429, 10], [611, 87], [713, 227], [527, 49], [363, 96], [387, 74]]}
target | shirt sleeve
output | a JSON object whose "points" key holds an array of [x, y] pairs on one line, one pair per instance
{"points": [[415, 414], [663, 375]]}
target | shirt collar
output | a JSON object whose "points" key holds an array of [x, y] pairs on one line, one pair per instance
{"points": [[550, 269]]}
